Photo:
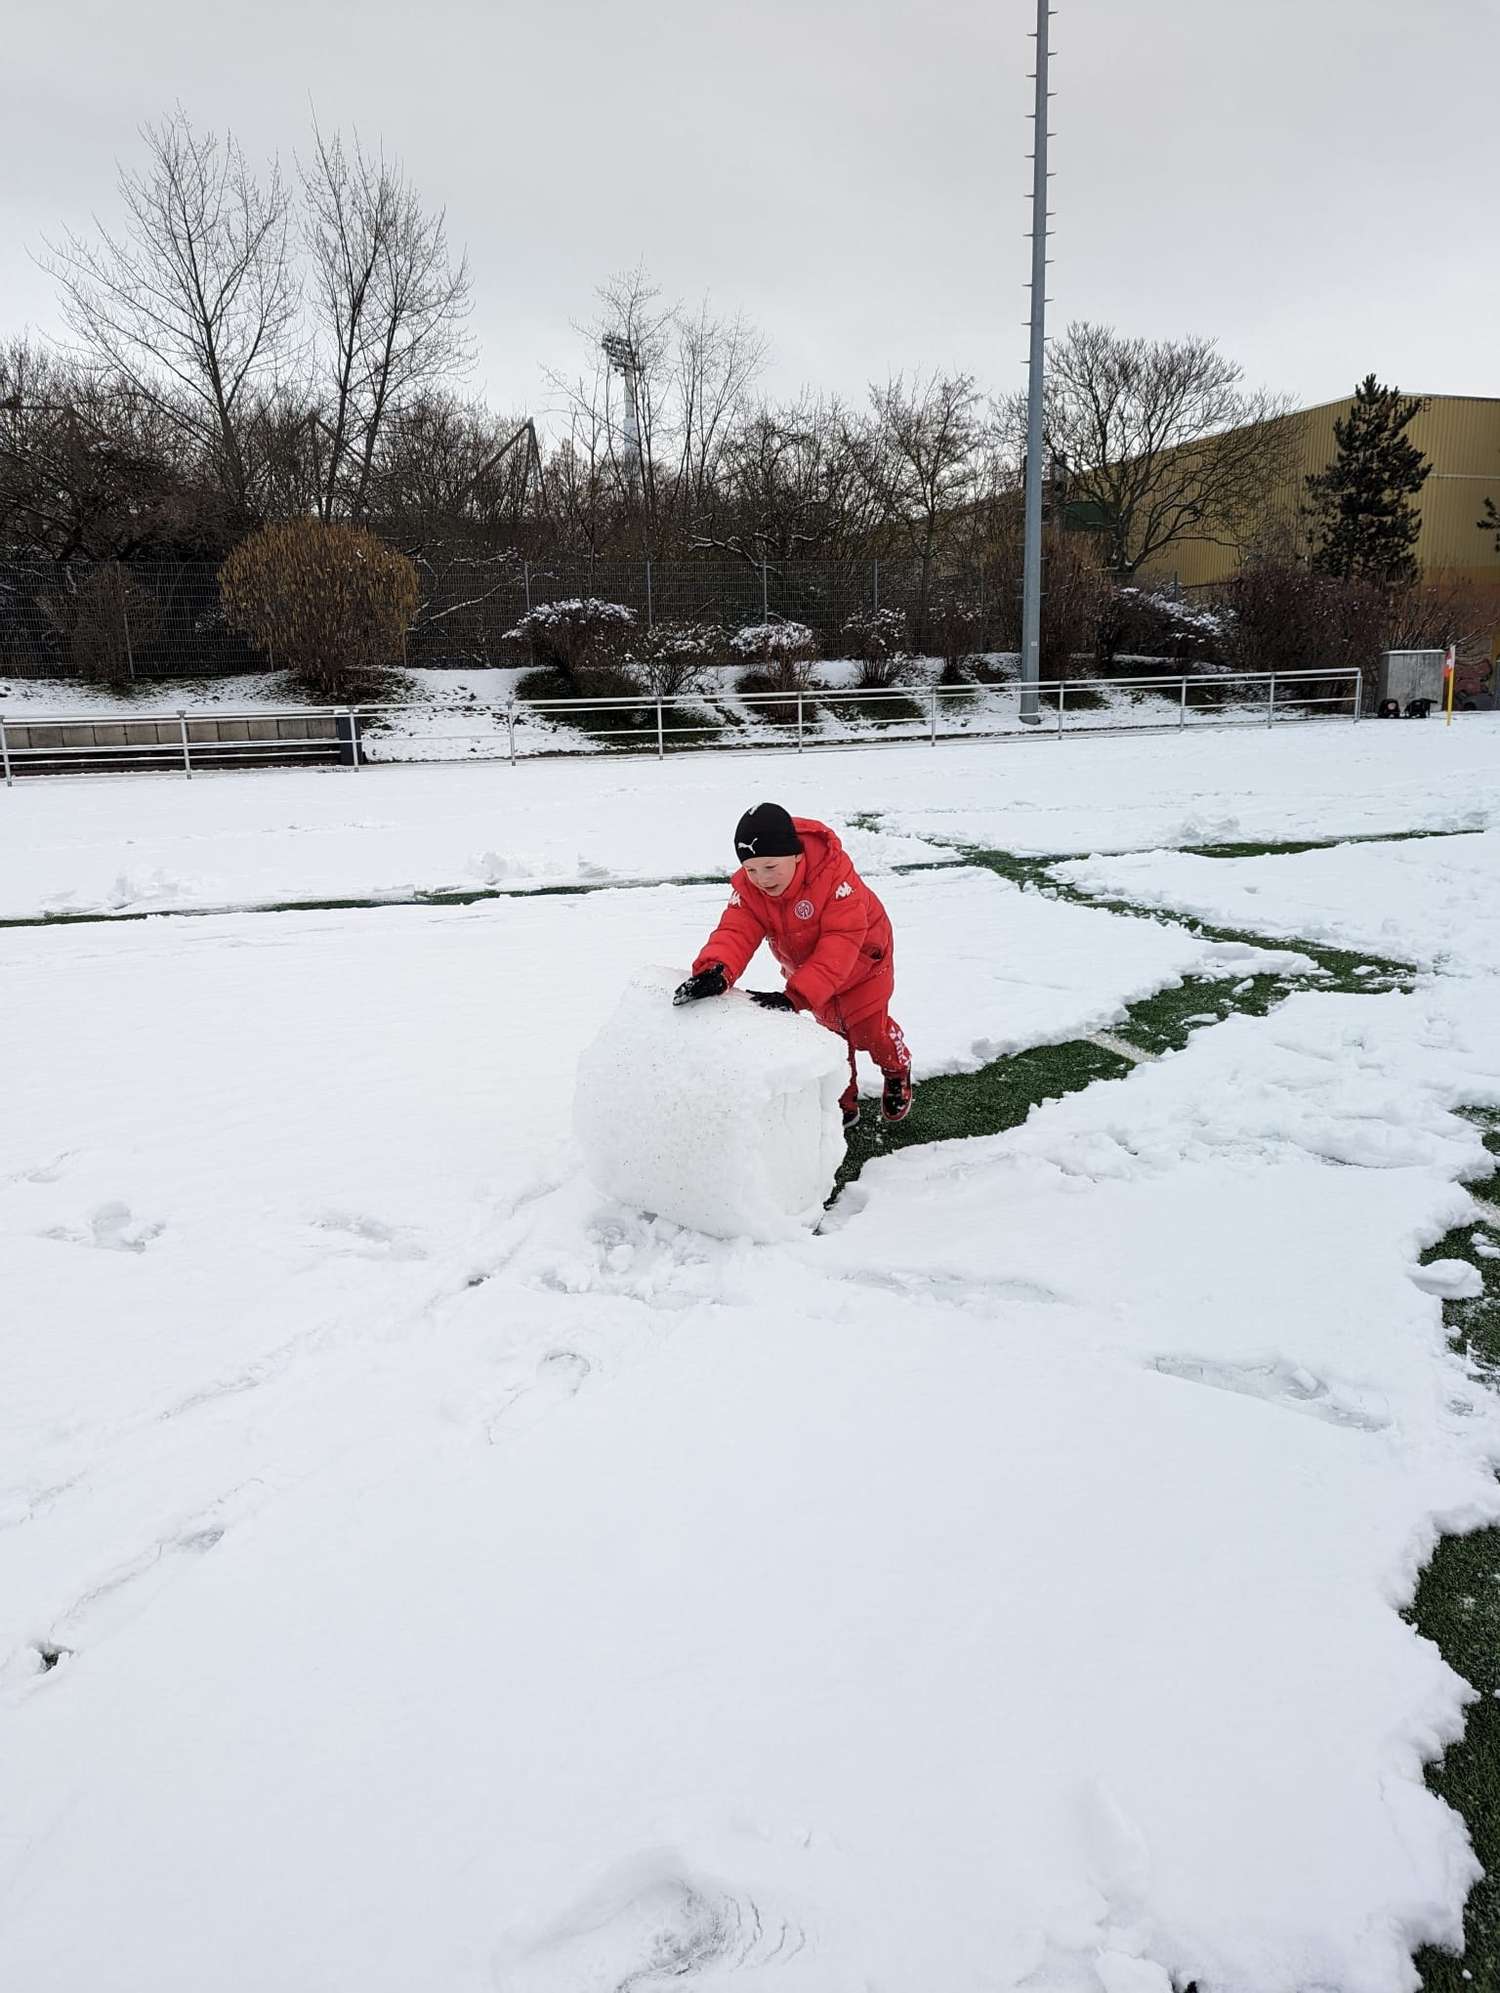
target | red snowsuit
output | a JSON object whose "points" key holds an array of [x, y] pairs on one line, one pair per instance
{"points": [[833, 940]]}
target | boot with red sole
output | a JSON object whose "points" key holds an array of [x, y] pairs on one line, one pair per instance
{"points": [[895, 1100]]}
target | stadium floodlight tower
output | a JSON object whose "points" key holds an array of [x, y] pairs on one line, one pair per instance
{"points": [[625, 361], [1031, 584]]}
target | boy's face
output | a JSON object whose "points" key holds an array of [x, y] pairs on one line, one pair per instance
{"points": [[772, 875]]}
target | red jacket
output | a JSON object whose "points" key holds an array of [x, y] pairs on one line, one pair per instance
{"points": [[828, 931]]}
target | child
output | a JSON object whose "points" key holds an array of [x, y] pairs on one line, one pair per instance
{"points": [[798, 890]]}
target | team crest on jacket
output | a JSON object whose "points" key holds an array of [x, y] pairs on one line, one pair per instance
{"points": [[804, 909]]}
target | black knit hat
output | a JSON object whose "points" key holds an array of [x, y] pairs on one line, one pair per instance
{"points": [[766, 832]]}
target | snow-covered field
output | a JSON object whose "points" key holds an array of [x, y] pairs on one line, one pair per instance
{"points": [[1434, 901], [417, 1570], [131, 843]]}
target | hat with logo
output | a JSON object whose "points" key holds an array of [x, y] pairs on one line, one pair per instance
{"points": [[767, 831]]}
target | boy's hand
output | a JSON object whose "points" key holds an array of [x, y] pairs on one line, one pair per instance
{"points": [[708, 982], [771, 999]]}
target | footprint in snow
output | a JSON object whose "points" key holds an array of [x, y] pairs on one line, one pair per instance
{"points": [[557, 1378], [648, 1925], [1277, 1383], [112, 1228], [369, 1238], [44, 1172]]}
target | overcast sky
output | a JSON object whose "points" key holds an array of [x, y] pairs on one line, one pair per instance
{"points": [[1316, 183]]}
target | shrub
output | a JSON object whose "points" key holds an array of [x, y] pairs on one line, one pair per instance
{"points": [[575, 635], [953, 627], [1074, 592], [774, 644], [878, 639], [330, 604], [104, 622], [612, 726], [774, 691], [671, 658], [1282, 617], [1142, 624]]}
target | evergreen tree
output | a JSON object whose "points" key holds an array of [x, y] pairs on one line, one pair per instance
{"points": [[1490, 523], [1360, 514]]}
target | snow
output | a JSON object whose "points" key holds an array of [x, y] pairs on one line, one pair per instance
{"points": [[136, 842], [717, 1115], [420, 1568], [1431, 901]]}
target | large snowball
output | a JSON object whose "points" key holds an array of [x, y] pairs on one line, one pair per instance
{"points": [[720, 1116]]}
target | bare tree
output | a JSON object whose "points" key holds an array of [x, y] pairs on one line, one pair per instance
{"points": [[192, 302], [715, 364], [90, 468], [390, 309], [1159, 440], [455, 466], [688, 378], [923, 453], [788, 487], [596, 402]]}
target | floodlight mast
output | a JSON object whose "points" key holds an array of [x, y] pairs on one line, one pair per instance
{"points": [[1031, 582], [625, 361]]}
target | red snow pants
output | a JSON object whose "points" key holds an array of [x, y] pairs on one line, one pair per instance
{"points": [[880, 1036]]}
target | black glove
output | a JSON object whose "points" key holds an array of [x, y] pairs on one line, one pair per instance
{"points": [[708, 982], [771, 999]]}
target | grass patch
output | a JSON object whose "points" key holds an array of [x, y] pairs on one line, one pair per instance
{"points": [[1291, 847], [870, 711], [617, 728], [1457, 1606], [776, 700], [1341, 967], [999, 1096], [626, 729]]}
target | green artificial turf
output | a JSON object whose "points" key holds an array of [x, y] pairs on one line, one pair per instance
{"points": [[1457, 1606]]}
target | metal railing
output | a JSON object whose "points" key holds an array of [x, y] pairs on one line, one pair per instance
{"points": [[814, 718]]}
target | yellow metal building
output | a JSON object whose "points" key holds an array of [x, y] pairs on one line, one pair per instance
{"points": [[1460, 437]]}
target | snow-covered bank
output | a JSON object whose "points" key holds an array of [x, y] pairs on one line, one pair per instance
{"points": [[1432, 901], [159, 842]]}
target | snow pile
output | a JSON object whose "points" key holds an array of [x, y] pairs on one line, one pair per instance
{"points": [[719, 1116]]}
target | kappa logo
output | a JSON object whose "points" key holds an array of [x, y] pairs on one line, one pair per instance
{"points": [[845, 892], [735, 900], [804, 909]]}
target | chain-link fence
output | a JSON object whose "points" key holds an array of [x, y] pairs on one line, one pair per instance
{"points": [[119, 622]]}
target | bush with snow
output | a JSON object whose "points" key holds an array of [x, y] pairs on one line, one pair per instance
{"points": [[878, 638], [720, 1116], [574, 635], [954, 630], [1140, 623], [776, 643], [782, 655], [673, 658]]}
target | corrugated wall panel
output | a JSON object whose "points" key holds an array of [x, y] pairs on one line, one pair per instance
{"points": [[1460, 436]]}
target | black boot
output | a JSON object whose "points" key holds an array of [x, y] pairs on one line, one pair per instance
{"points": [[895, 1100]]}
